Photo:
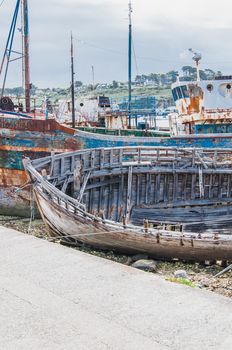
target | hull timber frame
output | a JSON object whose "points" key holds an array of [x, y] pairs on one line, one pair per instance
{"points": [[116, 198]]}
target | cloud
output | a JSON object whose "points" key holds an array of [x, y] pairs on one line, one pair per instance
{"points": [[162, 31]]}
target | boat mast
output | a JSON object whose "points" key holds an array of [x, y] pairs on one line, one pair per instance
{"points": [[26, 55], [72, 84], [129, 63], [8, 48]]}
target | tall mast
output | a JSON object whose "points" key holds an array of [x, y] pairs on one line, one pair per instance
{"points": [[26, 55], [72, 84], [129, 63]]}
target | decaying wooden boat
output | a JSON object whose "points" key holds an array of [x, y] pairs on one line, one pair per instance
{"points": [[117, 199]]}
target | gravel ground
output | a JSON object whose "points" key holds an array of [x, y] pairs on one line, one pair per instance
{"points": [[200, 276]]}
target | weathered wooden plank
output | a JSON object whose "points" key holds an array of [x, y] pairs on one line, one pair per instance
{"points": [[138, 189], [82, 190], [129, 190], [65, 185], [157, 188], [147, 193], [193, 186]]}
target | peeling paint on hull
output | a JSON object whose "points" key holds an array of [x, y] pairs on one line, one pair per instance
{"points": [[91, 140], [20, 138], [32, 138]]}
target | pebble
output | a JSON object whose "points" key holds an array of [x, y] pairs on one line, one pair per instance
{"points": [[180, 274], [145, 265]]}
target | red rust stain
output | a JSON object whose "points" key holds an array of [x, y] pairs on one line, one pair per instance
{"points": [[72, 144], [10, 177], [49, 125], [120, 210], [111, 210], [194, 106], [195, 96]]}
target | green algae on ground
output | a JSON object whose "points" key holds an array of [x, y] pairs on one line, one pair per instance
{"points": [[184, 281]]}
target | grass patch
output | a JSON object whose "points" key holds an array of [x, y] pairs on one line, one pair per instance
{"points": [[183, 281]]}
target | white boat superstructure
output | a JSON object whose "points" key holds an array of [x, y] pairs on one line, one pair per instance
{"points": [[204, 106]]}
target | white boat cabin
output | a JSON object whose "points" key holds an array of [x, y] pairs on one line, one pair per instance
{"points": [[204, 107]]}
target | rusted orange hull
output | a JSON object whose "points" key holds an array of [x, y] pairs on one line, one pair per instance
{"points": [[20, 138]]}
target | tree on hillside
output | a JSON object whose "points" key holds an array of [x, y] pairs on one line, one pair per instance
{"points": [[219, 73], [203, 75], [188, 71], [17, 91], [33, 89], [154, 77], [78, 84], [114, 84], [210, 73], [172, 75]]}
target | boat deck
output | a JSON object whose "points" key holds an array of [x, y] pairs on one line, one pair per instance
{"points": [[54, 297]]}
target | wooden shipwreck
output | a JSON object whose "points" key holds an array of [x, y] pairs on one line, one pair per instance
{"points": [[133, 200]]}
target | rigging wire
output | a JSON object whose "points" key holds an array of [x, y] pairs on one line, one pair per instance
{"points": [[8, 48], [2, 2], [149, 58], [135, 58]]}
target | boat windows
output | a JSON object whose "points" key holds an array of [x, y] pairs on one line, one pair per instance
{"points": [[185, 91], [225, 90], [174, 94], [210, 87], [180, 92]]}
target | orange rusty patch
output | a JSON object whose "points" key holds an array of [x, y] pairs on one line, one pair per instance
{"points": [[196, 97], [72, 144], [10, 177]]}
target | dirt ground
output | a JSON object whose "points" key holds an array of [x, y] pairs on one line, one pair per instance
{"points": [[199, 276]]}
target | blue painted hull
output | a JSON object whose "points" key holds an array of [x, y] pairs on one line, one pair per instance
{"points": [[91, 140], [21, 138]]}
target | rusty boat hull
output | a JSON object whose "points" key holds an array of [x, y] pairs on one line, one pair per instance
{"points": [[89, 197], [20, 138], [35, 138]]}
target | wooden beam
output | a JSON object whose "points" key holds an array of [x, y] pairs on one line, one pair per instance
{"points": [[86, 178], [129, 190]]}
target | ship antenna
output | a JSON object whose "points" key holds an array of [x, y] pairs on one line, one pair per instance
{"points": [[26, 56], [130, 63], [72, 84], [196, 58]]}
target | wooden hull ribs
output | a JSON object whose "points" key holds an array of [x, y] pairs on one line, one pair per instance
{"points": [[166, 202]]}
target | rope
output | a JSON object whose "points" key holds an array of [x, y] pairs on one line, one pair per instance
{"points": [[82, 235], [161, 233], [19, 189], [32, 209]]}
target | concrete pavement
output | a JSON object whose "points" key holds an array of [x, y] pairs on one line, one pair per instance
{"points": [[54, 297]]}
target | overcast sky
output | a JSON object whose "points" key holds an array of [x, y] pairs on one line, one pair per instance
{"points": [[162, 32]]}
